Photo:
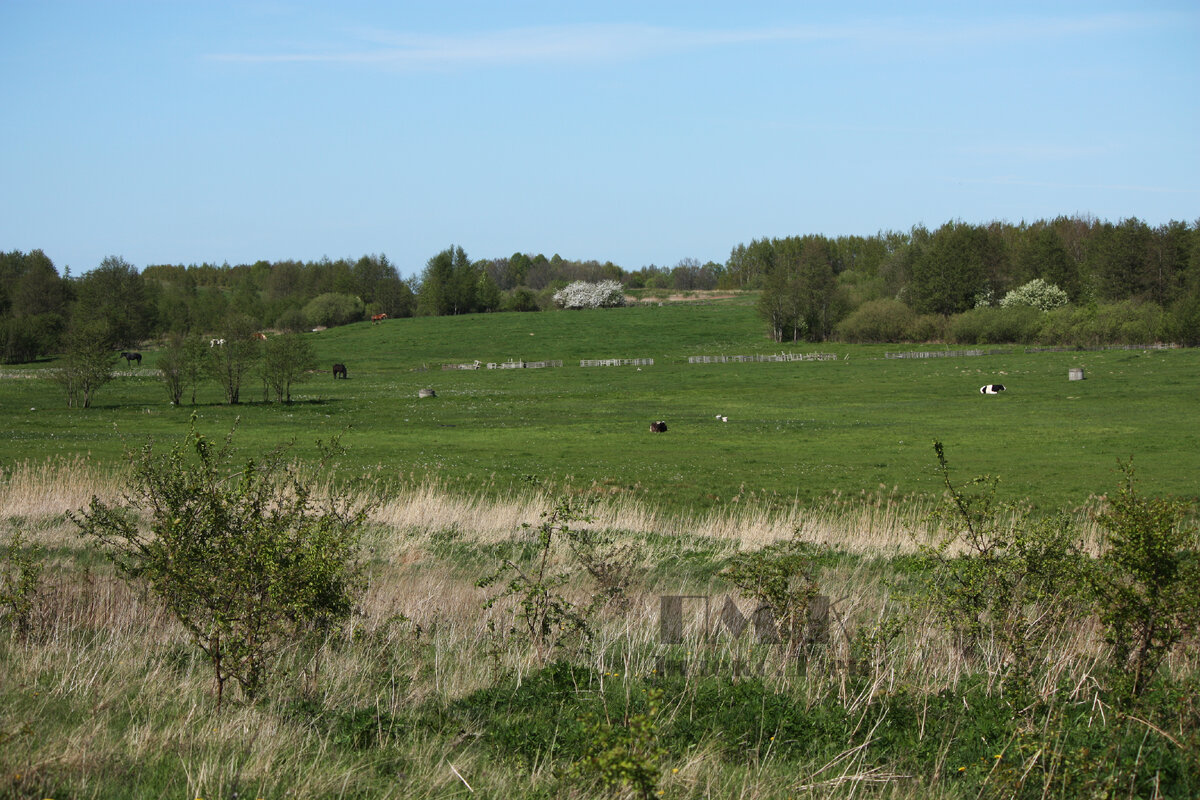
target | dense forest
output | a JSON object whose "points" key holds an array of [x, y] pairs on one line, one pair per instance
{"points": [[1070, 280]]}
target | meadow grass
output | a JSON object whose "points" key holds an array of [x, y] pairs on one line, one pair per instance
{"points": [[805, 433], [426, 695], [420, 697]]}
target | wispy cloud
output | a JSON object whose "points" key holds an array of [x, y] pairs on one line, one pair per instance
{"points": [[586, 43], [1037, 152]]}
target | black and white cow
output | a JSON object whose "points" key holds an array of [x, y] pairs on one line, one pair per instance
{"points": [[992, 388]]}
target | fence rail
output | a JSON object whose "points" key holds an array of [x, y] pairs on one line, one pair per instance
{"points": [[762, 358], [941, 354], [1098, 348], [616, 362], [523, 364]]}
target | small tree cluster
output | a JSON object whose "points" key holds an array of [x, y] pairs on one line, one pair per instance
{"points": [[581, 294], [332, 309], [1037, 293], [87, 364]]}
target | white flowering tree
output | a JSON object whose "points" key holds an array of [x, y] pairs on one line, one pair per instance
{"points": [[581, 294], [1037, 293]]}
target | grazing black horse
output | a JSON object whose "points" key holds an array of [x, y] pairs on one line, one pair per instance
{"points": [[339, 370], [128, 356]]}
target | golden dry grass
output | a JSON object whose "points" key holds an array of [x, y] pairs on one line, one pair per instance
{"points": [[136, 693]]}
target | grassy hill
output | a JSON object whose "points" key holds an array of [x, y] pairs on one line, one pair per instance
{"points": [[807, 431], [441, 685]]}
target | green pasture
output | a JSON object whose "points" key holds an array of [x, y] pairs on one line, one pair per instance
{"points": [[807, 431]]}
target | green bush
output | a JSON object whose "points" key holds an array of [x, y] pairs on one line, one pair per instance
{"points": [[998, 580], [928, 328], [624, 752], [1183, 323], [247, 557], [882, 320], [332, 309], [21, 567], [293, 320], [991, 325], [544, 616], [520, 299], [783, 578], [1100, 324], [1146, 582]]}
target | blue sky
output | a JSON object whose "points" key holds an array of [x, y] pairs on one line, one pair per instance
{"points": [[172, 132]]}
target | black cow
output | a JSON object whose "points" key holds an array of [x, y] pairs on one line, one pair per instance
{"points": [[130, 357], [658, 427], [339, 370], [991, 388]]}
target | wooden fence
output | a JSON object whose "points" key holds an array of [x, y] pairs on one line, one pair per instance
{"points": [[943, 354], [524, 364], [616, 362], [505, 365], [761, 358], [1081, 348]]}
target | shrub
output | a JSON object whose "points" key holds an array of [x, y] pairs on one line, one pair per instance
{"points": [[1037, 294], [519, 299], [928, 328], [1146, 582], [989, 325], [544, 615], [20, 581], [882, 320], [246, 557], [784, 579], [1183, 324], [1096, 324], [581, 294], [1002, 570], [332, 309], [293, 320], [625, 752]]}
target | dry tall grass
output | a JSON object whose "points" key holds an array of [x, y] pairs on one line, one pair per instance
{"points": [[108, 685]]}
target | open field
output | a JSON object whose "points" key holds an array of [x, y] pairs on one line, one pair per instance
{"points": [[806, 432], [431, 693], [103, 695]]}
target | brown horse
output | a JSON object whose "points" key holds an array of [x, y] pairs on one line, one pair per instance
{"points": [[378, 317], [339, 371]]}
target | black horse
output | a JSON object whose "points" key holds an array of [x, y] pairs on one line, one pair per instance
{"points": [[130, 357], [339, 370]]}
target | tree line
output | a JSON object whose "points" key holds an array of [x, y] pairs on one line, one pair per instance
{"points": [[973, 283], [1124, 279]]}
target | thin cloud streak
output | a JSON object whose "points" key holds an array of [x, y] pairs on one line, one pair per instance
{"points": [[600, 43]]}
